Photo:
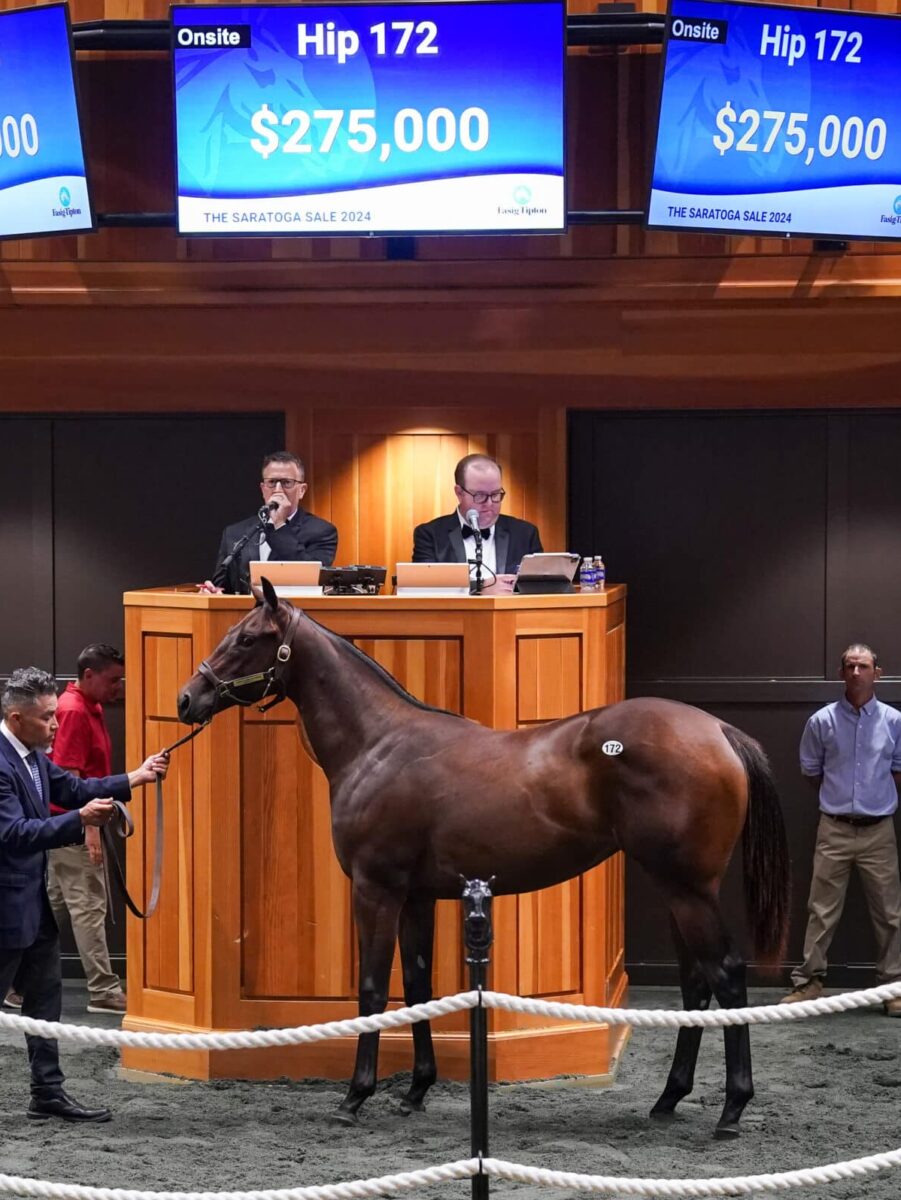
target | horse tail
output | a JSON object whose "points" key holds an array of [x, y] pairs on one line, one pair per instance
{"points": [[765, 858]]}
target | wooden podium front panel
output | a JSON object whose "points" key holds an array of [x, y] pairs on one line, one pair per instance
{"points": [[549, 676], [255, 926], [291, 882], [169, 937]]}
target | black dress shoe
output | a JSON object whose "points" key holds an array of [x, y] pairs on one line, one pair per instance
{"points": [[42, 1108]]}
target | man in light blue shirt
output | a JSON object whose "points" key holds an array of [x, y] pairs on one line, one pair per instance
{"points": [[851, 753]]}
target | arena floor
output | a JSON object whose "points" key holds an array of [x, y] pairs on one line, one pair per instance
{"points": [[827, 1091]]}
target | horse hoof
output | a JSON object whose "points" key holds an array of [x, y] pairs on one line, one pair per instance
{"points": [[342, 1117], [662, 1114], [411, 1106], [726, 1133]]}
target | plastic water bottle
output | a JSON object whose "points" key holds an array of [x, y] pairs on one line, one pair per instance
{"points": [[587, 577], [600, 574]]}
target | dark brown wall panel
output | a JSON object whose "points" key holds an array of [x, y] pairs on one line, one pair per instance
{"points": [[756, 546], [140, 501]]}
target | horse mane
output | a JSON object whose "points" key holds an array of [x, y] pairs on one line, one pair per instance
{"points": [[385, 676]]}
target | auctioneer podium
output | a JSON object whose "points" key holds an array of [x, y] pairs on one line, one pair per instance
{"points": [[254, 924]]}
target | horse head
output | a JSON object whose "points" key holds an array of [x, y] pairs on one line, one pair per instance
{"points": [[248, 665]]}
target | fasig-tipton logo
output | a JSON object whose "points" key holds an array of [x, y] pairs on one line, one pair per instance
{"points": [[895, 217], [707, 30], [65, 199], [212, 37], [522, 194]]}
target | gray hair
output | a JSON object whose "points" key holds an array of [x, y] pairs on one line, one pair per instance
{"points": [[26, 686]]}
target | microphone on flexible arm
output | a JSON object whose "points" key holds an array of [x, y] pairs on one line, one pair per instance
{"points": [[472, 520], [268, 509]]}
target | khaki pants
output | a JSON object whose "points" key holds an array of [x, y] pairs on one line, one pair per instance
{"points": [[874, 851], [75, 887]]}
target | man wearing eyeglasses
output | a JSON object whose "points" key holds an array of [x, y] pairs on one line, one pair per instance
{"points": [[288, 532], [505, 540]]}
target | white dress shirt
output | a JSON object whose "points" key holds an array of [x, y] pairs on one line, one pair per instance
{"points": [[489, 552], [20, 748]]}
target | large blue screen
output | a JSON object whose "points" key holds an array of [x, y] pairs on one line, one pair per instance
{"points": [[779, 120], [370, 118], [43, 188]]}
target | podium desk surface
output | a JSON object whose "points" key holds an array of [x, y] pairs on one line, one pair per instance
{"points": [[187, 596]]}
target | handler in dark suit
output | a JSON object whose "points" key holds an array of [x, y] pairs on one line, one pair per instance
{"points": [[29, 939], [290, 533], [505, 540]]}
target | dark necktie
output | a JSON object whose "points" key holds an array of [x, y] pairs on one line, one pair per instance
{"points": [[32, 760], [469, 532]]}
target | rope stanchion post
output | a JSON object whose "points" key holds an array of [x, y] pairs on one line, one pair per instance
{"points": [[478, 935]]}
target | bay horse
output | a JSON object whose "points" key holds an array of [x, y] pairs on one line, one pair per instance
{"points": [[421, 797]]}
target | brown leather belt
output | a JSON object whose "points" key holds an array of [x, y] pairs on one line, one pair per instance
{"points": [[847, 819]]}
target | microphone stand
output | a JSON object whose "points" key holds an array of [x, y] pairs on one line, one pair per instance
{"points": [[262, 519], [478, 581]]}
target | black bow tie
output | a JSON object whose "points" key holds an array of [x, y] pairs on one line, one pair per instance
{"points": [[468, 531]]}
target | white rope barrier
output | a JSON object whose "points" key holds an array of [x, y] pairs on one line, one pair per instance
{"points": [[386, 1185], [739, 1185], [241, 1040], [639, 1018], [466, 1168], [646, 1018]]}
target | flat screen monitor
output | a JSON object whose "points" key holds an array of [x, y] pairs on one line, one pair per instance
{"points": [[43, 183], [778, 120], [402, 118]]}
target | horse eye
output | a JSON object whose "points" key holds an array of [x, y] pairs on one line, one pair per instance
{"points": [[245, 641]]}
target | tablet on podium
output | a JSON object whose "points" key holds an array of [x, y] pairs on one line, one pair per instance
{"points": [[550, 574], [432, 579], [289, 579]]}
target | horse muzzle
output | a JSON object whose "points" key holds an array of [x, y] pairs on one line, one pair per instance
{"points": [[197, 702]]}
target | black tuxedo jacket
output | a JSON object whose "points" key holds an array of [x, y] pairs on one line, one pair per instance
{"points": [[304, 538], [28, 831], [442, 540]]}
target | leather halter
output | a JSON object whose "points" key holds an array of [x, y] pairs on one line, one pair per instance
{"points": [[272, 679], [123, 826]]}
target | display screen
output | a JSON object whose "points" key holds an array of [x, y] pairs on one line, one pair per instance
{"points": [[779, 120], [370, 118], [43, 186]]}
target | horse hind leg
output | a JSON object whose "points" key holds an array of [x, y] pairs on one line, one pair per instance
{"points": [[701, 926], [696, 993], [376, 914], [417, 934]]}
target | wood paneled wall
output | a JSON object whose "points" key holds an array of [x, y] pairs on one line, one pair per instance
{"points": [[386, 371], [386, 469]]}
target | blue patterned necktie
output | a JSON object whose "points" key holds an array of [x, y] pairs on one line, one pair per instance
{"points": [[32, 760]]}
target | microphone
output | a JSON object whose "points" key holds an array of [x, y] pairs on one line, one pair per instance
{"points": [[472, 520], [270, 508]]}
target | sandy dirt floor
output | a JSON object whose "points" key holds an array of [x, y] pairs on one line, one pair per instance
{"points": [[827, 1090]]}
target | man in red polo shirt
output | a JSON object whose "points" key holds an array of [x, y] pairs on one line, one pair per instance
{"points": [[75, 883]]}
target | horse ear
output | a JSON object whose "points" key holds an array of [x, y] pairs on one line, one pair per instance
{"points": [[269, 596]]}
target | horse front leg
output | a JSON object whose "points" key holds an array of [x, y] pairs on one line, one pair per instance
{"points": [[376, 913], [696, 993], [417, 936], [701, 925]]}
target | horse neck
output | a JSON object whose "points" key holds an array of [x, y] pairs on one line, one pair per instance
{"points": [[344, 706]]}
